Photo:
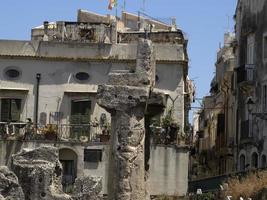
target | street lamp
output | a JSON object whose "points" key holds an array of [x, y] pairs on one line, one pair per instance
{"points": [[250, 104]]}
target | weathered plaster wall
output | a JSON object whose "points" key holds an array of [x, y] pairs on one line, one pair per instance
{"points": [[58, 85], [168, 170], [167, 52]]}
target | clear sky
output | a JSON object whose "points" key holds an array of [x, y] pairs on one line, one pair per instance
{"points": [[204, 22]]}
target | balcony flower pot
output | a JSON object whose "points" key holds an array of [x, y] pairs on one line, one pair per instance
{"points": [[50, 132]]}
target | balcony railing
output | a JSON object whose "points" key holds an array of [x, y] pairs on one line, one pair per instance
{"points": [[246, 73], [11, 129], [57, 132]]}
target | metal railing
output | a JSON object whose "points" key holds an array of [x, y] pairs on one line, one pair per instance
{"points": [[10, 129], [57, 132]]}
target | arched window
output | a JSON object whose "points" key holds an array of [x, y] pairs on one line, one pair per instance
{"points": [[263, 161], [242, 163], [254, 160]]}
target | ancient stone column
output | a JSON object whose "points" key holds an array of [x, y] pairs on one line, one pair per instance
{"points": [[125, 96]]}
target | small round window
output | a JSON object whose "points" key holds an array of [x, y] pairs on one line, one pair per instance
{"points": [[12, 73], [82, 76]]}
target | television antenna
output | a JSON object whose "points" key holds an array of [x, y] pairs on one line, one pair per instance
{"points": [[143, 6]]}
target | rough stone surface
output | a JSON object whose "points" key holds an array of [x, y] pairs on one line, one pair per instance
{"points": [[9, 185], [126, 97], [39, 172], [146, 62], [88, 188], [122, 97]]}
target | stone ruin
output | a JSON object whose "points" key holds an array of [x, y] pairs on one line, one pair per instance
{"points": [[9, 185], [37, 176], [126, 96], [88, 188], [40, 173]]}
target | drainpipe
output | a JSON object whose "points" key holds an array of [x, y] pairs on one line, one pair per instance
{"points": [[38, 78]]}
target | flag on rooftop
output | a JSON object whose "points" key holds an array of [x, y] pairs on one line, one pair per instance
{"points": [[112, 3]]}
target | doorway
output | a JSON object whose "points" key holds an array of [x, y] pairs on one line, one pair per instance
{"points": [[68, 159]]}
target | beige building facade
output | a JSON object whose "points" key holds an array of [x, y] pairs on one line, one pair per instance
{"points": [[48, 89]]}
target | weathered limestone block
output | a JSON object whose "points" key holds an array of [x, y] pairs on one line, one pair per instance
{"points": [[39, 172], [88, 188], [129, 79], [9, 185], [146, 61], [121, 97]]}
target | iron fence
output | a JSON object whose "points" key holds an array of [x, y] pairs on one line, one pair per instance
{"points": [[57, 132]]}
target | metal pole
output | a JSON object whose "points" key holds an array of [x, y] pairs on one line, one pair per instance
{"points": [[38, 78]]}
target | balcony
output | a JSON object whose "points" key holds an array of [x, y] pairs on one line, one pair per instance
{"points": [[79, 133], [246, 75]]}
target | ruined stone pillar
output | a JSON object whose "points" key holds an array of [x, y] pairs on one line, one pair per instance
{"points": [[125, 97]]}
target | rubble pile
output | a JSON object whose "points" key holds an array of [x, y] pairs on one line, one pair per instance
{"points": [[9, 185], [39, 172]]}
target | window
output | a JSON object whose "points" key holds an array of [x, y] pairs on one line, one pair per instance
{"points": [[80, 111], [265, 46], [263, 161], [254, 160], [80, 118], [242, 163], [264, 98], [220, 124], [92, 155], [10, 110], [250, 49]]}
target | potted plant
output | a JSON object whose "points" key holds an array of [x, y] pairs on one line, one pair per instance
{"points": [[105, 135], [170, 127], [50, 132]]}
